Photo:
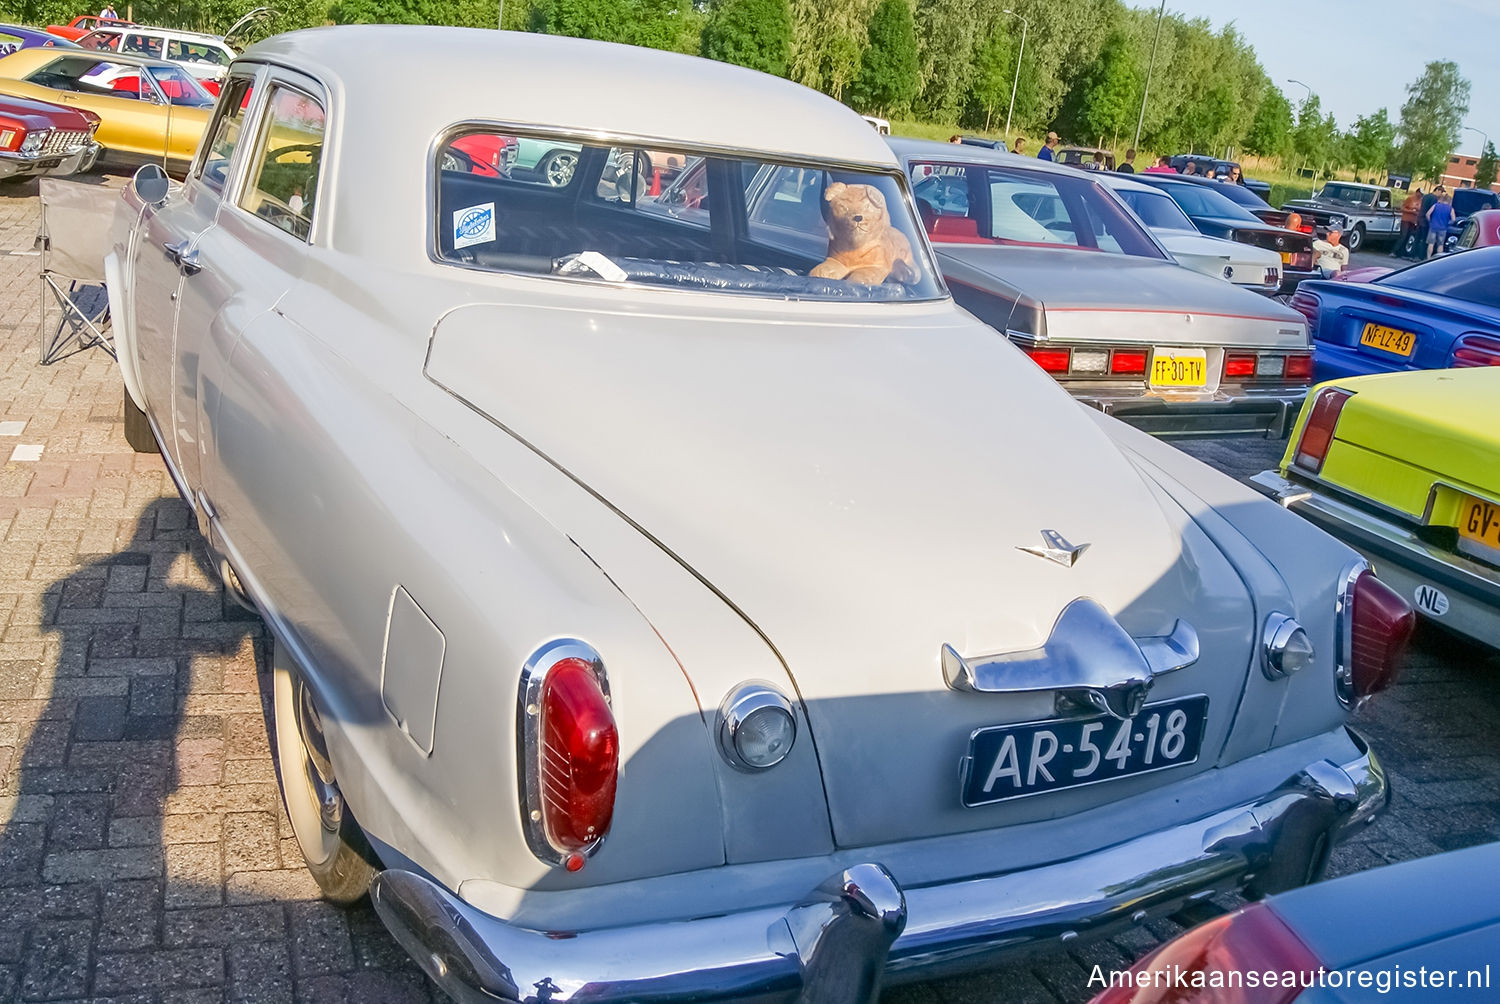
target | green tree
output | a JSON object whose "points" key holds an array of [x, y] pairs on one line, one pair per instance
{"points": [[827, 38], [1486, 169], [995, 75], [1431, 120], [598, 19], [1105, 98], [1370, 142], [887, 80], [753, 33], [1270, 132], [947, 33], [1313, 138]]}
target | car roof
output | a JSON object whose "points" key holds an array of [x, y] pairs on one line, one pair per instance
{"points": [[142, 29], [926, 149], [1123, 183], [471, 74], [17, 62]]}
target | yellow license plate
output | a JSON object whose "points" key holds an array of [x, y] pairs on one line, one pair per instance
{"points": [[1286, 257], [1479, 521], [1392, 340], [1179, 368]]}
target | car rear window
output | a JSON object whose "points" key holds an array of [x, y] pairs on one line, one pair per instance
{"points": [[982, 204], [1469, 276], [639, 215]]}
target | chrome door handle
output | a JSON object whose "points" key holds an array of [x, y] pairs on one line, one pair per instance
{"points": [[187, 261], [174, 251]]}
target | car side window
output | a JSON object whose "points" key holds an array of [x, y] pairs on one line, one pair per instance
{"points": [[224, 133], [283, 184]]}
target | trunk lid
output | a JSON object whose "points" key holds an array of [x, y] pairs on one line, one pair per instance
{"points": [[857, 484]]}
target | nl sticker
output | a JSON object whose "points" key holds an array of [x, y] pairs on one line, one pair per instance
{"points": [[475, 225]]}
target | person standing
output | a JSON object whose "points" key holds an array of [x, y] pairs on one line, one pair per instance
{"points": [[109, 12], [1163, 166], [1190, 169], [1128, 165], [1020, 146], [1411, 208], [1097, 163], [1438, 218], [1234, 177], [1329, 255], [1045, 153]]}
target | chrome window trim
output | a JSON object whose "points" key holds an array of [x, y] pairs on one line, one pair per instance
{"points": [[252, 112], [260, 106], [604, 136], [528, 741], [1343, 677]]}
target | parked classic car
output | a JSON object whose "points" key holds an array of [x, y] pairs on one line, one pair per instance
{"points": [[1083, 156], [626, 645], [1247, 266], [1366, 213], [40, 138], [206, 57], [1053, 260], [1431, 315], [14, 37], [149, 110], [1482, 230], [1429, 926], [1203, 164], [1403, 467], [82, 25], [1213, 212], [1466, 203]]}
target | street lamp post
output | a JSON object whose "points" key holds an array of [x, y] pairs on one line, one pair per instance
{"points": [[1303, 161], [1141, 119], [1016, 82]]}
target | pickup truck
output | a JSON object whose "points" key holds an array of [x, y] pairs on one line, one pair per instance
{"points": [[1364, 212]]}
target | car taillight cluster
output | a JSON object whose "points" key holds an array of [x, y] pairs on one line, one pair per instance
{"points": [[1231, 951], [570, 753], [1378, 623], [1317, 433], [1307, 305], [12, 134], [1477, 350], [1273, 277], [1090, 361], [1267, 366]]}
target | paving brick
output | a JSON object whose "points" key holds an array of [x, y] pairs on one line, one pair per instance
{"points": [[58, 960], [260, 973], [171, 968]]}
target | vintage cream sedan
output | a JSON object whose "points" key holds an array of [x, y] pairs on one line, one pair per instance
{"points": [[659, 615]]}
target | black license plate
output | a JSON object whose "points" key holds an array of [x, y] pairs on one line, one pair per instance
{"points": [[1012, 761]]}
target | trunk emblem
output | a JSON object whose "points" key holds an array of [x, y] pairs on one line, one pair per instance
{"points": [[1055, 547], [1089, 661]]}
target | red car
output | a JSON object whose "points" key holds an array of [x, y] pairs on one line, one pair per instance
{"points": [[82, 25], [38, 137], [1482, 230]]}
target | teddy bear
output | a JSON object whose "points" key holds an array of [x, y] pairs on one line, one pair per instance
{"points": [[862, 245]]}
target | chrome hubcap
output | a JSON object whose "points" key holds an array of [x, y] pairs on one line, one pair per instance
{"points": [[560, 169]]}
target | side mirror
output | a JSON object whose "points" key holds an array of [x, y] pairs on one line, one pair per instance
{"points": [[150, 184]]}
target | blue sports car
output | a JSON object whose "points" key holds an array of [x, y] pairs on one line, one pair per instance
{"points": [[1436, 314], [14, 38]]}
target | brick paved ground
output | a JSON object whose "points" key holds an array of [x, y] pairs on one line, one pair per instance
{"points": [[145, 856]]}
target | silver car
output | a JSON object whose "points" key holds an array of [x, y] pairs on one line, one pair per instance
{"points": [[658, 617], [1048, 256]]}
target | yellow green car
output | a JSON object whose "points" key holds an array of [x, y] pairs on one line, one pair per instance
{"points": [[149, 110], [1405, 467]]}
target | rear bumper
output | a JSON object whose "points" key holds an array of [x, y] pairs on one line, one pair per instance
{"points": [[1470, 591], [860, 925], [1226, 412]]}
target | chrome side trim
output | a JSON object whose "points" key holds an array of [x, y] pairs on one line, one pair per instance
{"points": [[1088, 659], [831, 946], [528, 740]]}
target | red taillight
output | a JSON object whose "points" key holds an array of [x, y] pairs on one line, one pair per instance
{"points": [[1317, 434], [1127, 362], [1051, 360], [1228, 950], [1236, 365], [1380, 625], [570, 753], [1477, 350], [1301, 259], [1299, 367]]}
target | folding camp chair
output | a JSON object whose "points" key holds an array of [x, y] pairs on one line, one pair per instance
{"points": [[73, 238]]}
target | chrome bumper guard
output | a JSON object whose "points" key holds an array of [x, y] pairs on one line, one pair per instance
{"points": [[1221, 414], [860, 926]]}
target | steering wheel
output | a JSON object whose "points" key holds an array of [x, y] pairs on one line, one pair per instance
{"points": [[313, 150]]}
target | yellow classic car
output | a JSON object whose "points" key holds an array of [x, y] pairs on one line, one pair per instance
{"points": [[1406, 468], [149, 110]]}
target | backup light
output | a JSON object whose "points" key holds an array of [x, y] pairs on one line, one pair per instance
{"points": [[757, 727], [1270, 366], [1286, 647], [1090, 360]]}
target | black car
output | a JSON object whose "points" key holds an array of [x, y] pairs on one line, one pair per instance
{"points": [[989, 144], [1213, 208], [1203, 163]]}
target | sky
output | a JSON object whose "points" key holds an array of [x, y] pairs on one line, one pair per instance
{"points": [[1359, 55]]}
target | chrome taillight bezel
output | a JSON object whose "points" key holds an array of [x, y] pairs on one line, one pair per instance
{"points": [[529, 743], [1343, 675]]}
